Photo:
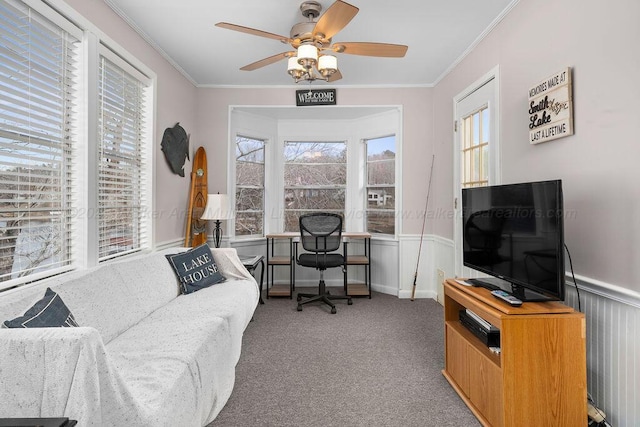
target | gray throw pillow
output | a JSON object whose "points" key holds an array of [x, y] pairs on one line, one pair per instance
{"points": [[195, 269], [49, 312]]}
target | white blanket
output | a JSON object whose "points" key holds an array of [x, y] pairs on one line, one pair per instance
{"points": [[173, 366]]}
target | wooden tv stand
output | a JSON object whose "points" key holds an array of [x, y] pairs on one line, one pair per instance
{"points": [[538, 378]]}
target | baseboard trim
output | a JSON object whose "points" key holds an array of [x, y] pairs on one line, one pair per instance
{"points": [[404, 294]]}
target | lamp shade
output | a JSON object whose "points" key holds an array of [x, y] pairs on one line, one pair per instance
{"points": [[328, 62], [217, 208], [308, 51], [292, 64]]}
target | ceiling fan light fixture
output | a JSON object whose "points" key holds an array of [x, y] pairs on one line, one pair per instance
{"points": [[307, 38], [328, 64], [294, 69], [307, 56], [292, 64]]}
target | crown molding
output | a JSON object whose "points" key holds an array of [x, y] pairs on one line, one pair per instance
{"points": [[477, 41], [150, 41]]}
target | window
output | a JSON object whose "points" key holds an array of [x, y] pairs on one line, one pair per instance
{"points": [[475, 149], [249, 187], [58, 188], [381, 189], [315, 179], [38, 82], [121, 157]]}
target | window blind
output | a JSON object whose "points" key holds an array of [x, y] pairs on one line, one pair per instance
{"points": [[38, 83], [121, 164]]}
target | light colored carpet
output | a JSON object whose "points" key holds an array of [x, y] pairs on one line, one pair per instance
{"points": [[377, 362]]}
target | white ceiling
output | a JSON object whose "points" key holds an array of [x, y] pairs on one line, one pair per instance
{"points": [[438, 33]]}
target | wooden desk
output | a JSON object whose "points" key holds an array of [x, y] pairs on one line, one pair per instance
{"points": [[287, 258]]}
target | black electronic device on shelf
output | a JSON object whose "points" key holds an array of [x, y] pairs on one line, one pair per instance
{"points": [[514, 233], [487, 333]]}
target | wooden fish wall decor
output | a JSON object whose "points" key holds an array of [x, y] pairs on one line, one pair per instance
{"points": [[175, 146]]}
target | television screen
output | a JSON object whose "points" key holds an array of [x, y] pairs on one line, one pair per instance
{"points": [[515, 232]]}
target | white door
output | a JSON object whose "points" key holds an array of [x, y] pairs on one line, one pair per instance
{"points": [[476, 148]]}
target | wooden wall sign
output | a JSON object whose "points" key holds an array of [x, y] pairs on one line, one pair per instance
{"points": [[551, 108], [315, 97]]}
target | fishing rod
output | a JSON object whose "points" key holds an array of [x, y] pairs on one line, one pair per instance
{"points": [[424, 220]]}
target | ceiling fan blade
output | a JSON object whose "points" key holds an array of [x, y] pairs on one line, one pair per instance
{"points": [[252, 31], [267, 61], [371, 49], [337, 16], [335, 76]]}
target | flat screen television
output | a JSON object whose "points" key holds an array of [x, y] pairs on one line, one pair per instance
{"points": [[514, 233]]}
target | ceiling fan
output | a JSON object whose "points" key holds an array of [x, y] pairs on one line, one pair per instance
{"points": [[312, 58]]}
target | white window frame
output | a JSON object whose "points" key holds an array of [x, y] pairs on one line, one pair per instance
{"points": [[235, 188], [35, 109], [366, 185], [316, 187], [140, 183], [243, 120], [84, 180]]}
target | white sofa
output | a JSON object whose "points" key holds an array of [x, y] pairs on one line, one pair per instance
{"points": [[143, 354]]}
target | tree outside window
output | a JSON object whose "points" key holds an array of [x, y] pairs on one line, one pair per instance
{"points": [[381, 189], [38, 82], [249, 205], [315, 179]]}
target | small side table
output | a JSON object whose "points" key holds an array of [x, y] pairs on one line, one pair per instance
{"points": [[251, 262]]}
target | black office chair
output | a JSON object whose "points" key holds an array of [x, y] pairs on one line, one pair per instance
{"points": [[321, 233]]}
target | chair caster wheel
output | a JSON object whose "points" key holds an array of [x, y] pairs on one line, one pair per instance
{"points": [[299, 307], [333, 310], [349, 302]]}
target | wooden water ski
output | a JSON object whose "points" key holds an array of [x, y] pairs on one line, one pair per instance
{"points": [[196, 233]]}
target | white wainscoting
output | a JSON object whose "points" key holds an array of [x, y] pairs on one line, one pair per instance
{"points": [[613, 333], [613, 348], [393, 264], [169, 244], [384, 264], [436, 254]]}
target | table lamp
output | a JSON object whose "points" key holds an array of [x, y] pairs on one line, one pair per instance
{"points": [[217, 209]]}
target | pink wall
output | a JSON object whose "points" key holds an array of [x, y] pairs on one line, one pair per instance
{"points": [[176, 102], [599, 163], [213, 112]]}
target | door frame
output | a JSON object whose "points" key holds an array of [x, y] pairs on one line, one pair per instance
{"points": [[496, 176]]}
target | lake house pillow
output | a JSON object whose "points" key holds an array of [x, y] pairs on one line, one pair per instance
{"points": [[195, 269], [49, 312]]}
